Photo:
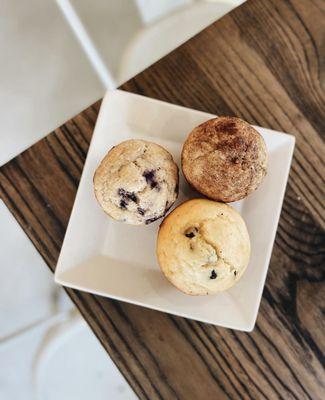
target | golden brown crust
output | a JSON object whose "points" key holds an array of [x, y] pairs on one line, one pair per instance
{"points": [[224, 158], [203, 247]]}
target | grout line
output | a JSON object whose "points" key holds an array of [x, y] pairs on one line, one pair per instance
{"points": [[59, 317], [87, 44]]}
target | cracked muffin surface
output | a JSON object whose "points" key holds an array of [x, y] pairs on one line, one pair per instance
{"points": [[136, 182], [203, 247], [224, 158]]}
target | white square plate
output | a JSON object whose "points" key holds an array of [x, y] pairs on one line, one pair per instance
{"points": [[112, 259]]}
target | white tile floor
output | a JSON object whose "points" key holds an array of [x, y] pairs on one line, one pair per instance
{"points": [[58, 57], [42, 333], [45, 77]]}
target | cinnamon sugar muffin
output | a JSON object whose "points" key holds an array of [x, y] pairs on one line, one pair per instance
{"points": [[203, 247], [224, 158], [136, 182]]}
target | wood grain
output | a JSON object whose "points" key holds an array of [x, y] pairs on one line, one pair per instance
{"points": [[264, 63]]}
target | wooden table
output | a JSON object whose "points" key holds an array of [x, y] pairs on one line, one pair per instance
{"points": [[262, 63]]}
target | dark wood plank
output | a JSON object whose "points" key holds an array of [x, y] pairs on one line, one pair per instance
{"points": [[263, 63]]}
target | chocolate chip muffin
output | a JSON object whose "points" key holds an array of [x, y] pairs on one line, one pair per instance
{"points": [[203, 247], [224, 158], [136, 182]]}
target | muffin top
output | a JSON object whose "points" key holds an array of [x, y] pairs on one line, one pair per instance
{"points": [[136, 182], [224, 158], [203, 247]]}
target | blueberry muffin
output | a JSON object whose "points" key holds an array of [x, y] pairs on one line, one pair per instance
{"points": [[136, 182], [224, 158], [203, 247]]}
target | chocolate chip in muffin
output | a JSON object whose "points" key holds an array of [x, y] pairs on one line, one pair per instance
{"points": [[191, 232], [149, 175], [190, 235], [121, 192], [126, 196], [150, 179], [235, 272], [123, 204], [132, 196], [213, 274], [154, 184], [141, 211]]}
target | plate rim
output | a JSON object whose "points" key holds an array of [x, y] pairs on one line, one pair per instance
{"points": [[250, 321]]}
